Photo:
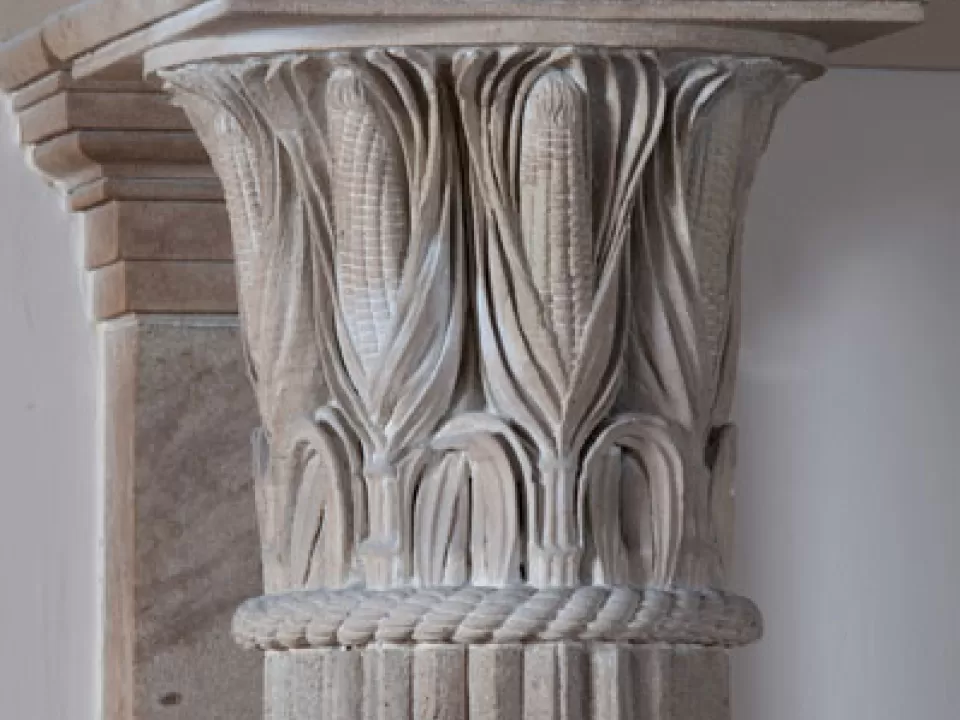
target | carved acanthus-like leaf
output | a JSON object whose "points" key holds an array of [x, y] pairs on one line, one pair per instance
{"points": [[668, 317], [726, 143], [500, 479], [274, 261], [637, 520], [273, 498], [418, 359], [649, 441], [604, 497], [441, 520], [548, 252], [341, 175], [722, 461], [686, 263], [417, 373], [321, 538]]}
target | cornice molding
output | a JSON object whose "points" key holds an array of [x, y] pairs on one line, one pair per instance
{"points": [[100, 33]]}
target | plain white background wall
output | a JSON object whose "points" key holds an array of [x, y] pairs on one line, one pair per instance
{"points": [[849, 406], [49, 516]]}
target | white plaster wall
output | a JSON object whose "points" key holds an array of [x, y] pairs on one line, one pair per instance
{"points": [[49, 518], [849, 403]]}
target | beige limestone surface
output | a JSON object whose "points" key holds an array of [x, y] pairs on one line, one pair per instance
{"points": [[19, 15], [180, 532]]}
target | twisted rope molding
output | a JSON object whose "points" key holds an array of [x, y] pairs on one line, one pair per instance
{"points": [[478, 615]]}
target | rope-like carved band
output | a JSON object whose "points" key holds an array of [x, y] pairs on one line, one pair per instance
{"points": [[477, 615]]}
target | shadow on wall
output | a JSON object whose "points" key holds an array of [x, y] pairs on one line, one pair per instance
{"points": [[849, 405]]}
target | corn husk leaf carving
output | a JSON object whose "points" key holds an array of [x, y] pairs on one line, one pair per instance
{"points": [[722, 459], [550, 256], [637, 520], [686, 264], [407, 386], [654, 452], [320, 539], [347, 222], [606, 200], [275, 263], [501, 479], [442, 519]]}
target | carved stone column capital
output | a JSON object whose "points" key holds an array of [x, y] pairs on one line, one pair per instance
{"points": [[490, 303], [490, 306]]}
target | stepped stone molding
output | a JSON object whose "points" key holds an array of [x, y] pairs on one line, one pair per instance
{"points": [[112, 139], [155, 230]]}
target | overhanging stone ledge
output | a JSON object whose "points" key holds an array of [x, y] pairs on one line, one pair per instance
{"points": [[100, 34]]}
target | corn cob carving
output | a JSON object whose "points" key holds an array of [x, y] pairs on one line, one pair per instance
{"points": [[370, 210], [555, 208], [558, 149]]}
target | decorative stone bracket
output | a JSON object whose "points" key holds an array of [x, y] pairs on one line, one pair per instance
{"points": [[488, 274]]}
